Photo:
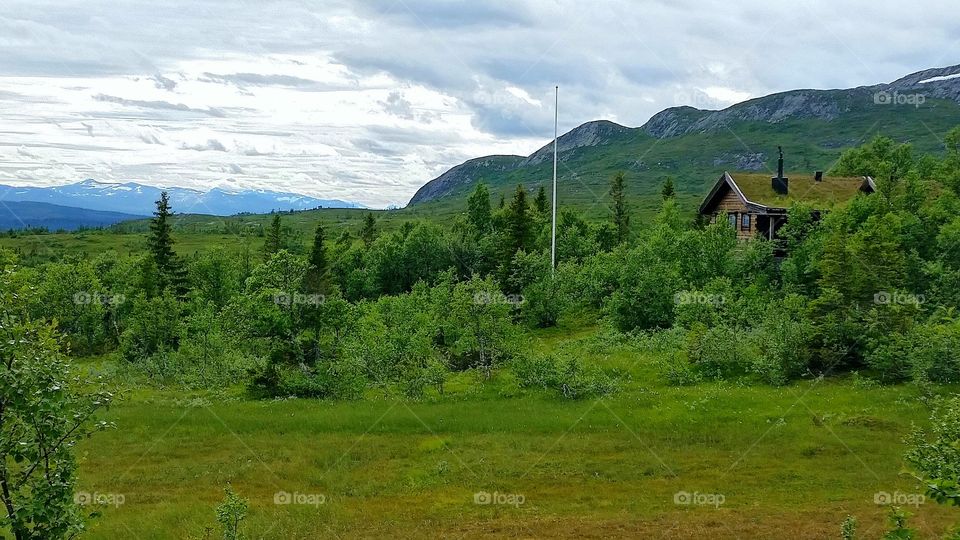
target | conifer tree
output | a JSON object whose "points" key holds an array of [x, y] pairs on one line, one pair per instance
{"points": [[667, 191], [518, 222], [478, 208], [317, 273], [274, 241], [621, 216], [369, 231], [540, 202], [170, 270]]}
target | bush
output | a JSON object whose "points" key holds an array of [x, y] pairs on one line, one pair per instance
{"points": [[928, 351], [154, 326], [677, 370], [644, 298], [341, 380], [565, 375], [721, 351], [784, 339], [542, 303]]}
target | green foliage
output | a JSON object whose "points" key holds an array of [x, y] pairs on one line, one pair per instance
{"points": [[315, 280], [519, 233], [478, 209], [540, 203], [722, 351], [170, 270], [480, 332], [230, 514], [621, 215], [935, 454], [369, 231], [848, 529], [677, 370], [154, 327], [667, 191], [45, 408], [563, 374], [645, 291], [784, 338], [898, 522]]}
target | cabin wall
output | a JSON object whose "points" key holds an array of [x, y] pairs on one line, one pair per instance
{"points": [[731, 203]]}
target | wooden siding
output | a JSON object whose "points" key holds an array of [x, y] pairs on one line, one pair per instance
{"points": [[729, 203]]}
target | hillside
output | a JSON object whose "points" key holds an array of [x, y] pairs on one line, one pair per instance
{"points": [[694, 146], [22, 215]]}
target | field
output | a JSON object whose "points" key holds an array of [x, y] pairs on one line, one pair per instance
{"points": [[757, 461]]}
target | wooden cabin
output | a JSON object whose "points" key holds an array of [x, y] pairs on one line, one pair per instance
{"points": [[756, 204]]}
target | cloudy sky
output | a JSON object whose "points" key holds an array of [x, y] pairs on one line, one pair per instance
{"points": [[366, 100]]}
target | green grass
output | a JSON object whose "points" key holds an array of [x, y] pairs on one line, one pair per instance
{"points": [[790, 462]]}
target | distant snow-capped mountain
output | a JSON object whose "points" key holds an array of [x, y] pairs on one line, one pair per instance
{"points": [[133, 198]]}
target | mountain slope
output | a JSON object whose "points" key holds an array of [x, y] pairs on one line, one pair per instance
{"points": [[22, 215], [694, 146], [137, 198]]}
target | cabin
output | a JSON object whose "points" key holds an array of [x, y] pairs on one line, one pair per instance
{"points": [[756, 205]]}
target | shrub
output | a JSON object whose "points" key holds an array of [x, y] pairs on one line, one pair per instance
{"points": [[563, 374], [677, 370], [928, 351], [721, 351], [784, 340], [230, 513], [542, 303], [154, 326], [644, 297], [341, 380]]}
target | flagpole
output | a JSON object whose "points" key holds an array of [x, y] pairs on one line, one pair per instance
{"points": [[553, 231]]}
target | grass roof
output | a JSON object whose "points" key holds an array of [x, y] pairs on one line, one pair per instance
{"points": [[830, 191]]}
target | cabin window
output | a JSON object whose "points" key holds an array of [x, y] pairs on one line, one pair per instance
{"points": [[732, 218], [745, 222]]}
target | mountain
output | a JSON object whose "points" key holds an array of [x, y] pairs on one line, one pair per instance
{"points": [[22, 215], [137, 198], [695, 146]]}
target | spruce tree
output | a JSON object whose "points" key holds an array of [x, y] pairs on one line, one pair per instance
{"points": [[317, 273], [540, 202], [170, 271], [478, 209], [621, 216], [369, 231], [667, 191], [518, 222], [274, 241]]}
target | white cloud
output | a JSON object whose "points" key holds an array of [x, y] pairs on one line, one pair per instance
{"points": [[368, 100]]}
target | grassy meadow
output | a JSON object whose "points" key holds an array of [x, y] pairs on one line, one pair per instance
{"points": [[798, 458]]}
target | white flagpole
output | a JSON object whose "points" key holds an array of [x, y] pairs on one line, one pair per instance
{"points": [[553, 232]]}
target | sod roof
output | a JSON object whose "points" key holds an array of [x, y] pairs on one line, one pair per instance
{"points": [[830, 191]]}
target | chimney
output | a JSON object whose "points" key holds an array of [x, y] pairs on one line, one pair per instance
{"points": [[818, 176], [779, 181]]}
